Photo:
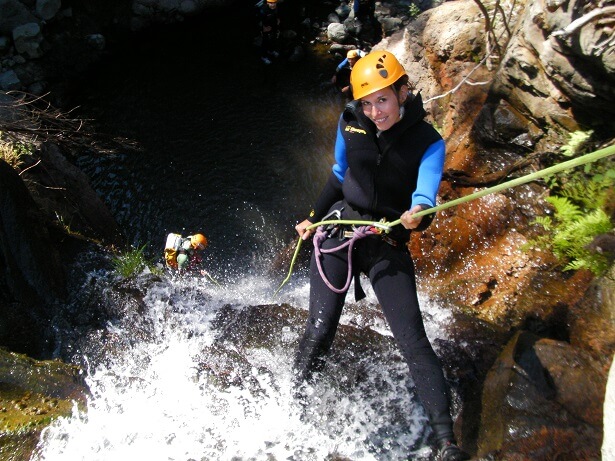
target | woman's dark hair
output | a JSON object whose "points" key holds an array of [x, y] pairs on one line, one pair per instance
{"points": [[400, 83]]}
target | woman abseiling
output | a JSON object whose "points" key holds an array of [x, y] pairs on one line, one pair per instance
{"points": [[388, 164]]}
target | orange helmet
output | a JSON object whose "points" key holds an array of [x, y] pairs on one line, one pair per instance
{"points": [[198, 241], [374, 72]]}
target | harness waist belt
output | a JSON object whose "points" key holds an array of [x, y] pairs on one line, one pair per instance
{"points": [[347, 234]]}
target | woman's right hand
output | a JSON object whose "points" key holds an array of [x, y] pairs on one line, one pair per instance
{"points": [[302, 231]]}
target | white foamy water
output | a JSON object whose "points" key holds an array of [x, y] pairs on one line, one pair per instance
{"points": [[150, 401]]}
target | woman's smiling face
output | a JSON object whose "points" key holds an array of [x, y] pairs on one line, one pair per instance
{"points": [[382, 107]]}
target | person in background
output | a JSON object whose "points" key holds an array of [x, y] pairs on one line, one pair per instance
{"points": [[341, 77], [270, 30], [183, 254], [364, 10], [388, 164]]}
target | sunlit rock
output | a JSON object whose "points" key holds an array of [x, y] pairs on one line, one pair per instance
{"points": [[542, 396], [336, 32]]}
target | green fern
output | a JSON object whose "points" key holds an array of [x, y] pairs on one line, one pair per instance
{"points": [[133, 262], [576, 142], [565, 209], [413, 11], [588, 193], [579, 199], [574, 235], [544, 221], [12, 150], [574, 225]]}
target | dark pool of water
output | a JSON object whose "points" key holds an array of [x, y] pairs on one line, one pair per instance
{"points": [[226, 145]]}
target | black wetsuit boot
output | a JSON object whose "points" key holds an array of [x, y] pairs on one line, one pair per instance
{"points": [[449, 451], [308, 360]]}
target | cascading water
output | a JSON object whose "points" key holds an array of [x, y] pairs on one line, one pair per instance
{"points": [[156, 398], [237, 151]]}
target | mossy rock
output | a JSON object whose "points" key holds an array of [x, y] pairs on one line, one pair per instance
{"points": [[33, 394]]}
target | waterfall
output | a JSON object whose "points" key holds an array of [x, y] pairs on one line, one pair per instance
{"points": [[153, 398], [238, 152]]}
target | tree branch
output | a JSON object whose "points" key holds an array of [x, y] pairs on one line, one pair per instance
{"points": [[582, 21], [464, 80]]}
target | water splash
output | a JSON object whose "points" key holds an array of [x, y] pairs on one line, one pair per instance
{"points": [[153, 401]]}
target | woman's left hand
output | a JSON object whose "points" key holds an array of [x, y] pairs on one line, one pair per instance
{"points": [[407, 219]]}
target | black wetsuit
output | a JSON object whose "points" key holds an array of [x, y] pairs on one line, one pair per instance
{"points": [[342, 75], [379, 176], [269, 19]]}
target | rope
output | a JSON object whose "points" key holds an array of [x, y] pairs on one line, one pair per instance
{"points": [[321, 235], [588, 158], [211, 278], [383, 226], [582, 160]]}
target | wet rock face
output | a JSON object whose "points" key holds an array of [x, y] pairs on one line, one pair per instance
{"points": [[542, 397], [61, 189], [35, 251], [95, 303], [474, 255], [31, 273]]}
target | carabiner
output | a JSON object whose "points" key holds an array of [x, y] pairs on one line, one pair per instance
{"points": [[332, 229]]}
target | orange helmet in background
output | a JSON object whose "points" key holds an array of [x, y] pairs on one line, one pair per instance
{"points": [[374, 72], [198, 241]]}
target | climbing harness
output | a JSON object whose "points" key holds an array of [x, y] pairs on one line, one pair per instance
{"points": [[374, 227], [348, 235], [386, 226], [351, 237]]}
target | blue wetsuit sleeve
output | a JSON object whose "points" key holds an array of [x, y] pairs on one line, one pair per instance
{"points": [[430, 175], [341, 64], [341, 163]]}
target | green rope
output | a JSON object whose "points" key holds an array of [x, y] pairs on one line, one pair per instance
{"points": [[385, 226], [588, 158], [211, 278]]}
